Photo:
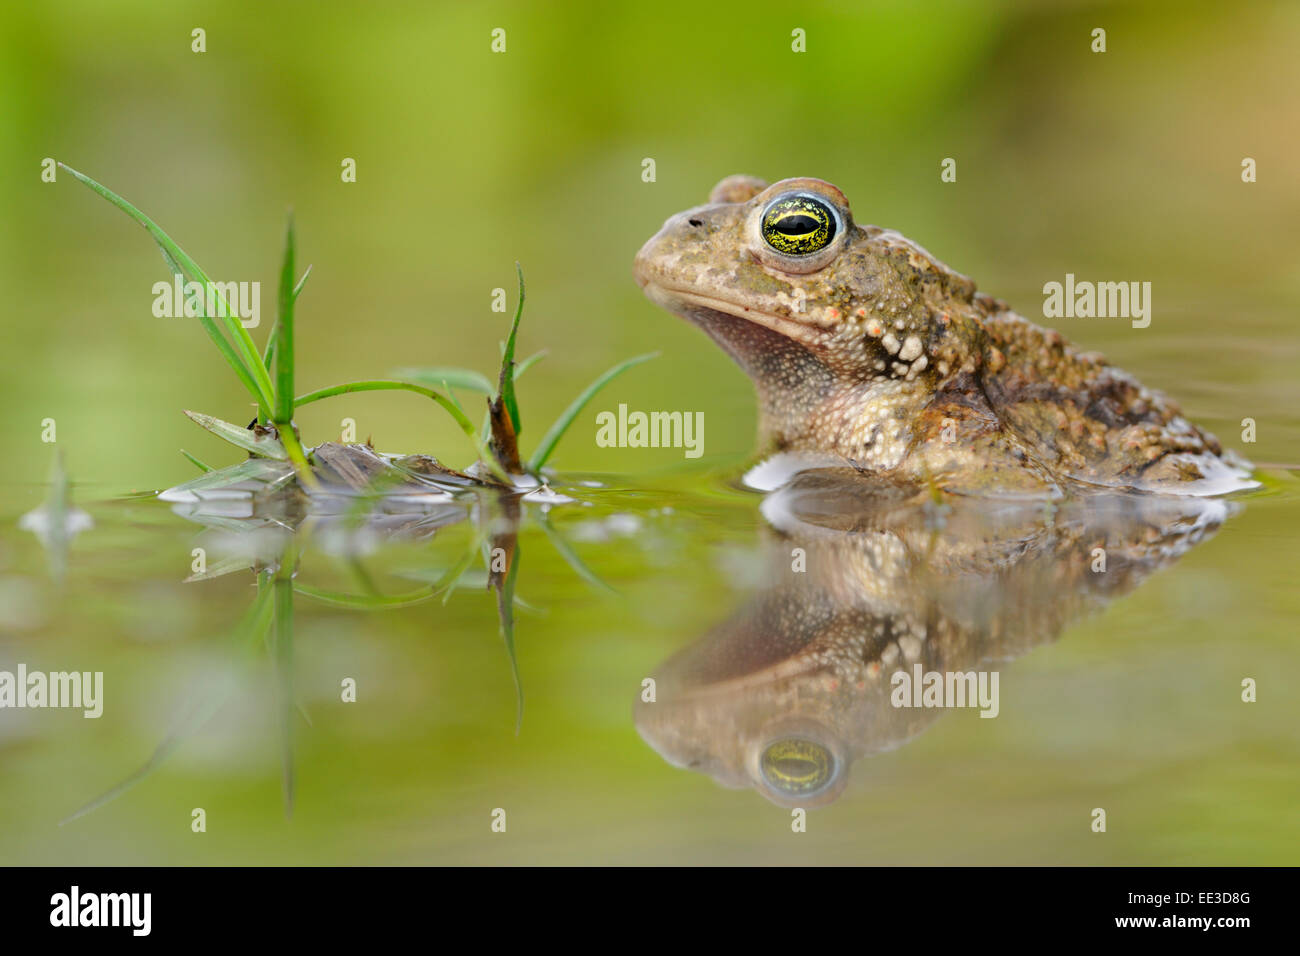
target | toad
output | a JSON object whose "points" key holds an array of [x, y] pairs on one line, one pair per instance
{"points": [[865, 348]]}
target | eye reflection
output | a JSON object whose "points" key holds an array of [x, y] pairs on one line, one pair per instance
{"points": [[797, 766]]}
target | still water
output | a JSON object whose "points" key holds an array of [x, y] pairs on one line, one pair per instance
{"points": [[358, 685]]}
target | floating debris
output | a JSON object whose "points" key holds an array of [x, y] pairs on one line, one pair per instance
{"points": [[56, 522]]}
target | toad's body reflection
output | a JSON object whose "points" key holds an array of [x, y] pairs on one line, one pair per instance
{"points": [[796, 685]]}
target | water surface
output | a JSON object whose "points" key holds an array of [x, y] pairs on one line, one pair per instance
{"points": [[1118, 690]]}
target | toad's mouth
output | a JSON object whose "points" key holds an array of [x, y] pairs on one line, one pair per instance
{"points": [[689, 304], [768, 347]]}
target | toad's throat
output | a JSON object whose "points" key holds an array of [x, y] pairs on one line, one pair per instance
{"points": [[788, 370], [778, 354], [688, 304]]}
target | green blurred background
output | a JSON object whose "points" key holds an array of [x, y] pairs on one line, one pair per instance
{"points": [[1118, 166], [1122, 165]]}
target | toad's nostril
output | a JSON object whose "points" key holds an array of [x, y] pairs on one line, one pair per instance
{"points": [[696, 222]]}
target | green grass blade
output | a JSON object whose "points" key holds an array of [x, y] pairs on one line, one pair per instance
{"points": [[451, 578], [220, 341], [284, 365], [506, 382], [283, 666], [570, 556], [268, 356], [202, 712], [468, 379], [527, 363], [195, 462], [255, 622], [506, 616], [455, 401], [463, 378], [263, 445], [244, 351], [281, 349], [284, 336], [221, 568], [367, 602], [297, 457], [379, 385], [297, 290], [567, 417], [265, 475]]}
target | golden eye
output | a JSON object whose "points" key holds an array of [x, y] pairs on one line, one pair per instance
{"points": [[796, 766], [798, 225]]}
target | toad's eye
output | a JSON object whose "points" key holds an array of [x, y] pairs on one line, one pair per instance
{"points": [[798, 225], [796, 766]]}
